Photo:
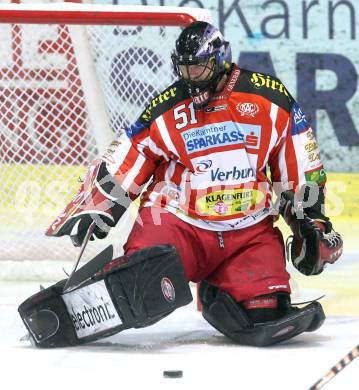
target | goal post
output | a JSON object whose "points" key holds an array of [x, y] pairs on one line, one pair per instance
{"points": [[92, 14], [71, 77]]}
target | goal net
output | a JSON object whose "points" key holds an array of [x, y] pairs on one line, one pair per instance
{"points": [[71, 76]]}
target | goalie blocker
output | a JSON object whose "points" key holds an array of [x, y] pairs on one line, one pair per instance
{"points": [[129, 292]]}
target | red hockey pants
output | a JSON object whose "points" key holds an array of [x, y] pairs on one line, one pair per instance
{"points": [[245, 263]]}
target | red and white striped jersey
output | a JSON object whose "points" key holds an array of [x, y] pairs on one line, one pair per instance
{"points": [[209, 167]]}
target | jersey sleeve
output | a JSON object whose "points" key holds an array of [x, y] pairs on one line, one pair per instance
{"points": [[130, 160], [295, 161]]}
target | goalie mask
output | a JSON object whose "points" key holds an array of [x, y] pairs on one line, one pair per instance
{"points": [[201, 58]]}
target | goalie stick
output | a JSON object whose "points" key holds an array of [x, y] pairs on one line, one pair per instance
{"points": [[77, 277], [348, 358], [86, 239]]}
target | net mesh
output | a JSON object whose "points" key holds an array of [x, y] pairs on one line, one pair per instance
{"points": [[139, 67], [47, 137]]}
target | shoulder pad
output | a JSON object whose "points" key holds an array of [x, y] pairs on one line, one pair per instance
{"points": [[163, 102], [265, 85]]}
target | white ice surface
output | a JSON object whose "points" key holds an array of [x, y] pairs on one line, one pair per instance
{"points": [[135, 359]]}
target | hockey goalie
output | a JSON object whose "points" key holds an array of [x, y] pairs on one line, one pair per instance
{"points": [[204, 157]]}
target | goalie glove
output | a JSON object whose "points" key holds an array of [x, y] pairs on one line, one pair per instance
{"points": [[314, 242], [97, 200]]}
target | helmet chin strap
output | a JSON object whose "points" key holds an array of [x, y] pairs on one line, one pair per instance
{"points": [[201, 95]]}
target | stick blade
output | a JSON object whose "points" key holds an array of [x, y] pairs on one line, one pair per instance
{"points": [[89, 269]]}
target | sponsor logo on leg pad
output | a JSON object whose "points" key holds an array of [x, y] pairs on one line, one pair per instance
{"points": [[91, 309]]}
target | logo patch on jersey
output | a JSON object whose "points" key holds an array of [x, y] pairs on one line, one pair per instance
{"points": [[299, 121], [161, 98], [230, 167], [223, 175], [229, 202], [216, 108], [249, 110], [318, 176], [221, 134], [311, 147], [259, 81], [202, 167], [111, 150], [134, 129], [235, 173]]}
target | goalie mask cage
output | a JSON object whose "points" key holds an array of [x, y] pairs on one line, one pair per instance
{"points": [[71, 77]]}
